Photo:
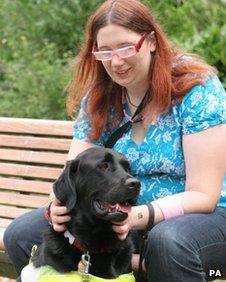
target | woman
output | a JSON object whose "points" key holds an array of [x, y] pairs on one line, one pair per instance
{"points": [[176, 144]]}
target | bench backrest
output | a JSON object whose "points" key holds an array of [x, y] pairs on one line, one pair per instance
{"points": [[32, 155]]}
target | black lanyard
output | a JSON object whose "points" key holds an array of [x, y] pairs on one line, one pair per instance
{"points": [[137, 117]]}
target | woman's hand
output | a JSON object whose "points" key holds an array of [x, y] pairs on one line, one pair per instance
{"points": [[137, 218], [122, 228], [59, 216]]}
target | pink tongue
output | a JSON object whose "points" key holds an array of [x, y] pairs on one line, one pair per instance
{"points": [[125, 208]]}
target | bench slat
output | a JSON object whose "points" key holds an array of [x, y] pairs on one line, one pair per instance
{"points": [[23, 200], [32, 156], [14, 184], [36, 126], [31, 142], [29, 171], [4, 223], [12, 212]]}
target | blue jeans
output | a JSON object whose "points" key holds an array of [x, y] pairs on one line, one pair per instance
{"points": [[22, 234], [185, 248], [180, 249]]}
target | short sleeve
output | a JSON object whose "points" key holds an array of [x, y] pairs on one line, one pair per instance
{"points": [[203, 106], [82, 126]]}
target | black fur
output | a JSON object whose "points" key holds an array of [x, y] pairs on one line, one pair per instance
{"points": [[97, 175]]}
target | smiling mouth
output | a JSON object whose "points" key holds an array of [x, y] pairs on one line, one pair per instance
{"points": [[111, 208], [112, 211], [122, 72]]}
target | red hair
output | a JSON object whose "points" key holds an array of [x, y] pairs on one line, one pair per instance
{"points": [[171, 76]]}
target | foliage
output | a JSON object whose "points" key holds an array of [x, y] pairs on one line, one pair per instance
{"points": [[39, 38], [197, 26]]}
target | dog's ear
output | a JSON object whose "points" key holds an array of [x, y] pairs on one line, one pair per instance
{"points": [[64, 187]]}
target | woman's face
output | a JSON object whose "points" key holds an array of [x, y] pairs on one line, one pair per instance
{"points": [[130, 72]]}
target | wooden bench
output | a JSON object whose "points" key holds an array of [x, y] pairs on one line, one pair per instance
{"points": [[32, 155]]}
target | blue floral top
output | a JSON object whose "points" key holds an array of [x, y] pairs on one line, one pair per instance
{"points": [[158, 162]]}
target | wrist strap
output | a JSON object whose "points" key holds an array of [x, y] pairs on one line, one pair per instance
{"points": [[151, 218], [137, 117], [149, 226]]}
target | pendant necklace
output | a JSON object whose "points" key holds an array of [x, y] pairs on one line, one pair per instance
{"points": [[130, 102]]}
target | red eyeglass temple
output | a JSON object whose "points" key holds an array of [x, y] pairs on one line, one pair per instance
{"points": [[140, 42]]}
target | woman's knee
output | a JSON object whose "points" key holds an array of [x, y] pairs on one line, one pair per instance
{"points": [[163, 238], [171, 254], [26, 228], [169, 240], [12, 235]]}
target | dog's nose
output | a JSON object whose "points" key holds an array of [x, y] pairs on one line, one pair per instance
{"points": [[132, 183]]}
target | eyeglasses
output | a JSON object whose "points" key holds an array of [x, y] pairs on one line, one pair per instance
{"points": [[124, 52]]}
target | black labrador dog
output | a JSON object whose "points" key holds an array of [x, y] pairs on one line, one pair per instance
{"points": [[97, 188]]}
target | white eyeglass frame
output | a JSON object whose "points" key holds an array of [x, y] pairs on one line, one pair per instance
{"points": [[135, 48]]}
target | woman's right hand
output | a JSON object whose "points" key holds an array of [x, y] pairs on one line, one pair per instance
{"points": [[59, 216]]}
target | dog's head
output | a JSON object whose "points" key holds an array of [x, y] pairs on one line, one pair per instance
{"points": [[98, 180]]}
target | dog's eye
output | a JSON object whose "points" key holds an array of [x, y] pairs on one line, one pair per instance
{"points": [[126, 166], [103, 166]]}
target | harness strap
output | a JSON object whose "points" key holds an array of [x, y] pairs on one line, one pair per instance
{"points": [[137, 117]]}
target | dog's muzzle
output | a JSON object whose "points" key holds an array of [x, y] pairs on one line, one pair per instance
{"points": [[119, 209]]}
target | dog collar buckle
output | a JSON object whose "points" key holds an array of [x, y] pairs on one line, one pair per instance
{"points": [[83, 267], [70, 237]]}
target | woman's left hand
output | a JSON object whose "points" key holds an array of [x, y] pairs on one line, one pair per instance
{"points": [[137, 219], [122, 228]]}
